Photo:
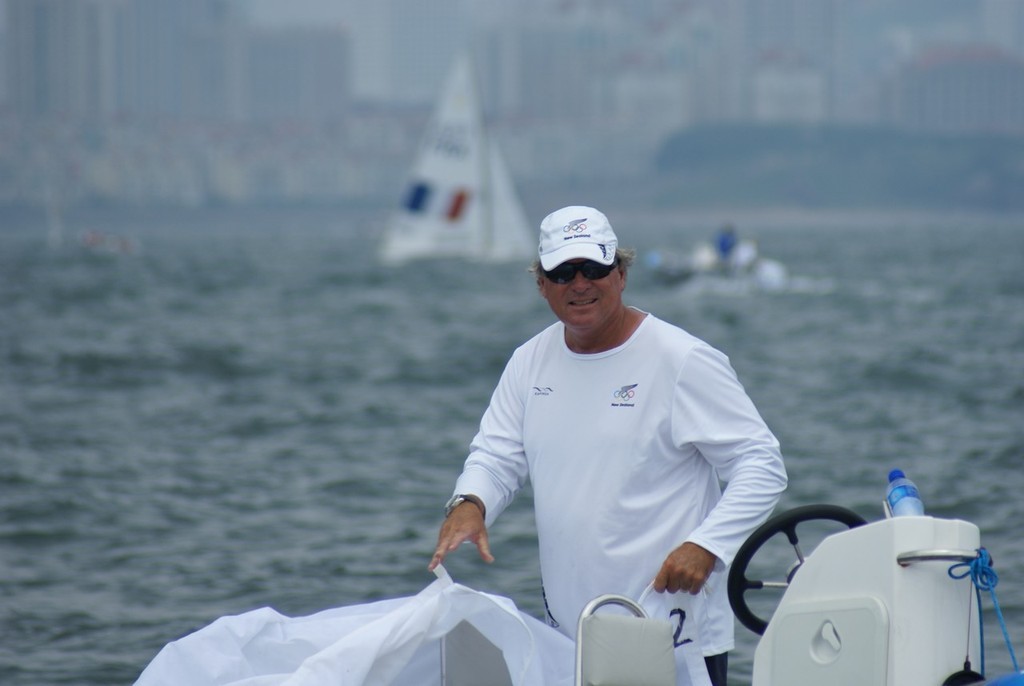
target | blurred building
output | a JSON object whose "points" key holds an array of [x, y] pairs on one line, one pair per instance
{"points": [[99, 59], [564, 71], [1003, 24], [3, 58], [187, 101], [960, 89], [788, 49], [182, 59], [298, 75], [783, 90], [405, 47], [54, 57]]}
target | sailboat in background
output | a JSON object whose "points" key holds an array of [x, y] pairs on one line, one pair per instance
{"points": [[460, 201]]}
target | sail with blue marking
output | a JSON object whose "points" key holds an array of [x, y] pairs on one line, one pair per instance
{"points": [[459, 201]]}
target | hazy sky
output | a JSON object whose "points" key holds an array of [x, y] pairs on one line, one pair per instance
{"points": [[281, 12], [300, 11]]}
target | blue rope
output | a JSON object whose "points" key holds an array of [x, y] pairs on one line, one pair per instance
{"points": [[984, 578]]}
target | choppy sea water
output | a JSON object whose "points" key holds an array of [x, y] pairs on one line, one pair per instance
{"points": [[248, 411]]}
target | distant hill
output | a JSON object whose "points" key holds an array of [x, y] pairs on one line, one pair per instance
{"points": [[840, 167]]}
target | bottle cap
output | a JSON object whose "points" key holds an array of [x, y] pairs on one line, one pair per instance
{"points": [[896, 474]]}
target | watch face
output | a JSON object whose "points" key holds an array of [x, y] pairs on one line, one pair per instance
{"points": [[452, 503]]}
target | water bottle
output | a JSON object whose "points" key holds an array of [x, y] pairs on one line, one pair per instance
{"points": [[902, 496]]}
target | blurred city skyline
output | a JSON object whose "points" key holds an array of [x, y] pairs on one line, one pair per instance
{"points": [[229, 101], [302, 12]]}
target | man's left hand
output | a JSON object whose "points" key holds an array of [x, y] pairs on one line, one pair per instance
{"points": [[686, 569]]}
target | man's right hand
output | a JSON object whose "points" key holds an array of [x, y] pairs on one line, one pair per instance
{"points": [[465, 523]]}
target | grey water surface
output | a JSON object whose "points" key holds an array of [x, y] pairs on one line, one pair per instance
{"points": [[249, 411]]}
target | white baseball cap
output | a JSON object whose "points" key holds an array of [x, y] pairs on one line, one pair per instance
{"points": [[576, 232]]}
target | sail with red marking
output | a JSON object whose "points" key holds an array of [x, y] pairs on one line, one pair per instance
{"points": [[459, 201]]}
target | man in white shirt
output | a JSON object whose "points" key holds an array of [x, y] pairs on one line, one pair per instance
{"points": [[625, 426]]}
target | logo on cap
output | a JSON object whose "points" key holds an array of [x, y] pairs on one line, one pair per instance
{"points": [[576, 225]]}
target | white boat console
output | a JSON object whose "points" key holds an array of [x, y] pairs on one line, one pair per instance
{"points": [[875, 604]]}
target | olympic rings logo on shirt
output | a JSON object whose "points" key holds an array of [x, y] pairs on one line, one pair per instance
{"points": [[575, 226], [625, 393]]}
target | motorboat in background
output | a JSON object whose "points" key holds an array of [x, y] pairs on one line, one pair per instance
{"points": [[727, 258]]}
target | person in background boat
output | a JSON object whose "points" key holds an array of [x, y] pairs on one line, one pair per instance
{"points": [[625, 425], [725, 243]]}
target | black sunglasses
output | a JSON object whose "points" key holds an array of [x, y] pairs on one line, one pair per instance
{"points": [[591, 271]]}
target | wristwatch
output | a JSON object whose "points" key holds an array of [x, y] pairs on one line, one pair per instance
{"points": [[457, 500]]}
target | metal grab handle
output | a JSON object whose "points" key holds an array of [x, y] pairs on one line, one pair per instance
{"points": [[591, 608], [611, 599], [942, 555]]}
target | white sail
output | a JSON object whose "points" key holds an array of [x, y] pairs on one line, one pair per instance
{"points": [[459, 201], [397, 641]]}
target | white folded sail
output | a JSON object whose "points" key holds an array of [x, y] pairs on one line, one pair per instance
{"points": [[395, 642]]}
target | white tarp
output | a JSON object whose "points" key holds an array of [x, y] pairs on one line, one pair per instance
{"points": [[390, 642]]}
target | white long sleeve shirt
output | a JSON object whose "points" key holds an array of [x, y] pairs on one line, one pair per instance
{"points": [[625, 450]]}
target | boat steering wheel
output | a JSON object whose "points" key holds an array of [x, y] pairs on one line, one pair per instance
{"points": [[786, 522]]}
